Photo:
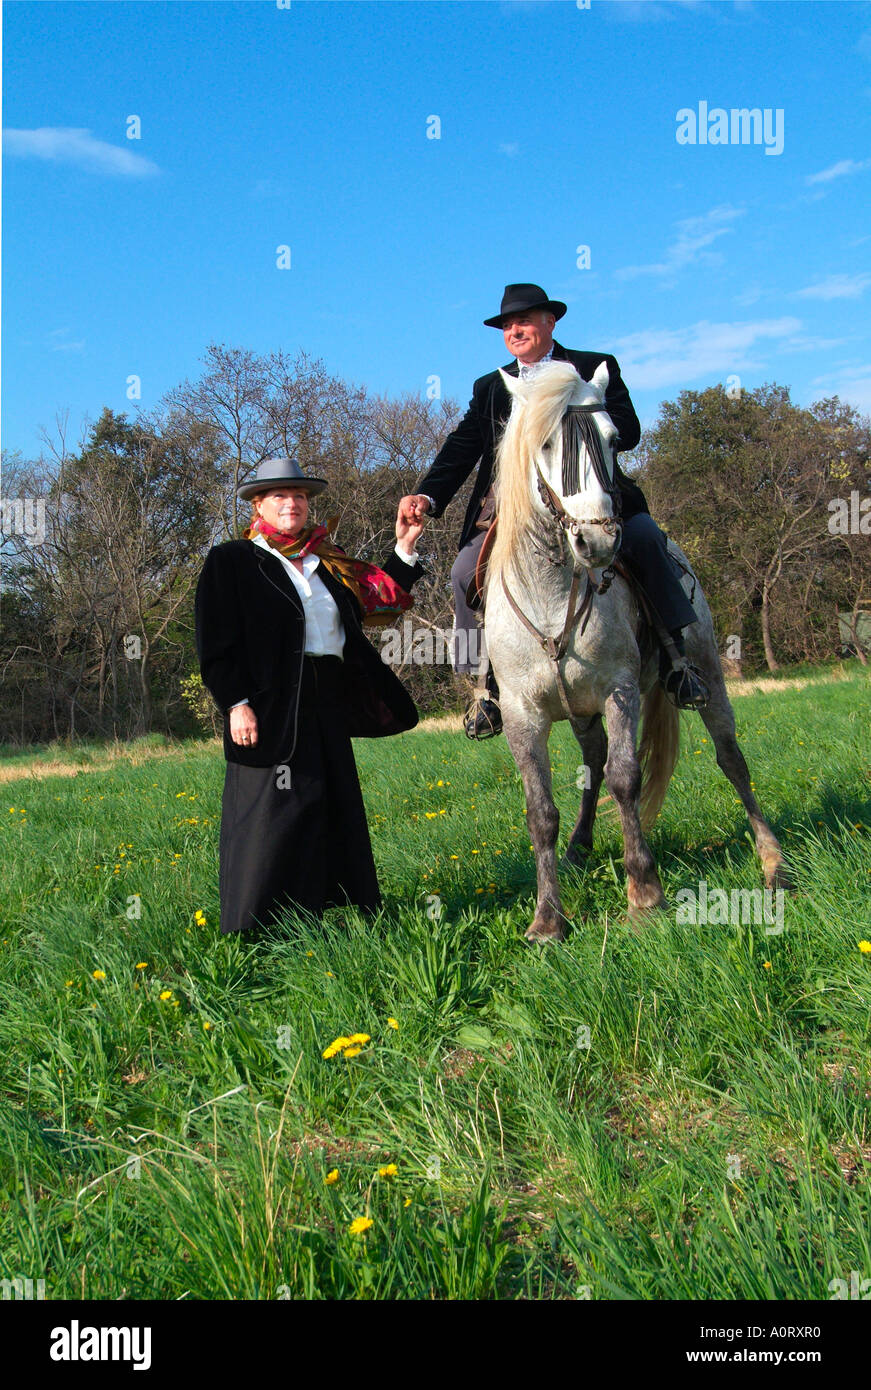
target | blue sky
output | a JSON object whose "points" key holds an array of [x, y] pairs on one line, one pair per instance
{"points": [[307, 126]]}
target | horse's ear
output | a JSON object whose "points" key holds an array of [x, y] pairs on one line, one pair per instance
{"points": [[601, 378]]}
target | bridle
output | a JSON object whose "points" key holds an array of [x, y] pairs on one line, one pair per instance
{"points": [[556, 648], [576, 419]]}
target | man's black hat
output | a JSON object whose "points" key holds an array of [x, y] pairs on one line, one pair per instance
{"points": [[518, 298], [281, 472]]}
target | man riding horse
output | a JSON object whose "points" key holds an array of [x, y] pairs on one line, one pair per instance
{"points": [[527, 319]]}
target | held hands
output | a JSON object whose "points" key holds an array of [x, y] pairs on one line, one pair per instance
{"points": [[243, 726], [410, 520]]}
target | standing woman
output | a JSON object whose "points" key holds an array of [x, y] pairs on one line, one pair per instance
{"points": [[281, 649]]}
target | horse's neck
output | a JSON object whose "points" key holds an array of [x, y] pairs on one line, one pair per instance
{"points": [[538, 575]]}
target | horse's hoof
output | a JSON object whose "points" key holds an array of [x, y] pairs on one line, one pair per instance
{"points": [[644, 898], [638, 916], [540, 932], [780, 878], [575, 859]]}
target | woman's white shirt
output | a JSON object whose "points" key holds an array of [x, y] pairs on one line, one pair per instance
{"points": [[324, 630]]}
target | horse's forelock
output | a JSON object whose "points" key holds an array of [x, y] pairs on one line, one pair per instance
{"points": [[535, 416]]}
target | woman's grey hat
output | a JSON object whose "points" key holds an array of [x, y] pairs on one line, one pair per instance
{"points": [[282, 472]]}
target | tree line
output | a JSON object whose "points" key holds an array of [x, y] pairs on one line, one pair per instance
{"points": [[97, 611]]}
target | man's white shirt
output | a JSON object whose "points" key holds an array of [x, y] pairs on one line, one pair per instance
{"points": [[529, 369]]}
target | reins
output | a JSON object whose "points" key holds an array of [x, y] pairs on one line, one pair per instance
{"points": [[556, 648]]}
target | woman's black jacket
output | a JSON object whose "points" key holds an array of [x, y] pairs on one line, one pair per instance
{"points": [[250, 631]]}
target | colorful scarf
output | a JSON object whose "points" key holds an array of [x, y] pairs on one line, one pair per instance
{"points": [[381, 598]]}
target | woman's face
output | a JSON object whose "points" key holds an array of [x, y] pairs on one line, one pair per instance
{"points": [[286, 508]]}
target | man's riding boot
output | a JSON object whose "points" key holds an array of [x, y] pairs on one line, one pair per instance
{"points": [[483, 718], [683, 684]]}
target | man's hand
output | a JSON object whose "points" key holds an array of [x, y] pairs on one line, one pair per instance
{"points": [[410, 519], [413, 509], [243, 726]]}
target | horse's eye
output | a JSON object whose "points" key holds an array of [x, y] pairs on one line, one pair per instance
{"points": [[546, 446]]}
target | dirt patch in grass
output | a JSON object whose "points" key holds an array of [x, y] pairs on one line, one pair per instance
{"points": [[40, 768]]}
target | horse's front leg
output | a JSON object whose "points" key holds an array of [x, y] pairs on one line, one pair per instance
{"points": [[594, 747], [623, 780], [527, 736]]}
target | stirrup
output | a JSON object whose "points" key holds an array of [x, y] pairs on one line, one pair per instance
{"points": [[483, 717], [685, 687]]}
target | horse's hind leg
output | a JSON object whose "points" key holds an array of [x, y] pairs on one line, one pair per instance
{"points": [[719, 720], [528, 744], [594, 746], [623, 780]]}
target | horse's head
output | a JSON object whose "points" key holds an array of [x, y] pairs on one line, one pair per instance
{"points": [[556, 457]]}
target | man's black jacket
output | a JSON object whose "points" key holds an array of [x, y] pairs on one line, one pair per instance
{"points": [[250, 635], [480, 429]]}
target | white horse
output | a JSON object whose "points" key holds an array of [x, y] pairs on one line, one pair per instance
{"points": [[565, 643]]}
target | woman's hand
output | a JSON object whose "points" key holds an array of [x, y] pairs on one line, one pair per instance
{"points": [[243, 726]]}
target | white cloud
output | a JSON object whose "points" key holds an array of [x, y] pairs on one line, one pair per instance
{"points": [[657, 358], [694, 234], [837, 171], [852, 384], [66, 145], [836, 287], [60, 341]]}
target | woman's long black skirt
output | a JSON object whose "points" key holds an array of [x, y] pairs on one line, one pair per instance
{"points": [[305, 845]]}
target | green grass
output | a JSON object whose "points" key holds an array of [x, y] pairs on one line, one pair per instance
{"points": [[712, 1141]]}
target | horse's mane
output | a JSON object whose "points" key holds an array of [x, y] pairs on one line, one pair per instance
{"points": [[530, 424]]}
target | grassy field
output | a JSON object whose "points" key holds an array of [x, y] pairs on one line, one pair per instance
{"points": [[674, 1112]]}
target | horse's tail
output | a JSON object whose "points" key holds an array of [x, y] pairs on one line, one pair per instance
{"points": [[658, 751]]}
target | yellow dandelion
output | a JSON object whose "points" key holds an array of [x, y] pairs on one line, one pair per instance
{"points": [[407, 1202], [336, 1046], [360, 1224], [142, 965], [207, 1025], [388, 1171], [352, 1052], [68, 983], [99, 974], [766, 965], [166, 994], [361, 1038], [332, 1176], [391, 1023], [865, 947]]}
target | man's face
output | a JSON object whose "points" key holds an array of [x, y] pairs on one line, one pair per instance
{"points": [[286, 508], [528, 336]]}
